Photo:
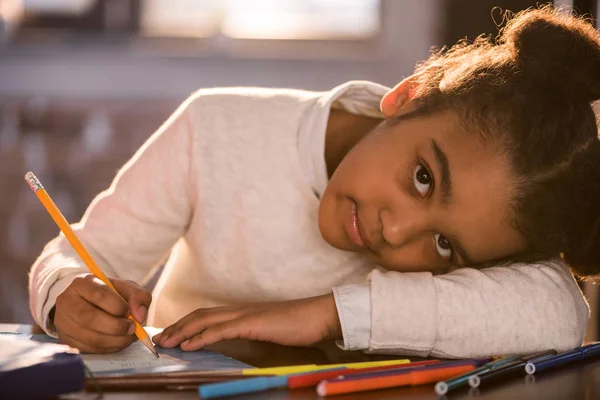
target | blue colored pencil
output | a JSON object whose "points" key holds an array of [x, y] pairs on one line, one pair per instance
{"points": [[240, 386], [580, 353], [249, 385]]}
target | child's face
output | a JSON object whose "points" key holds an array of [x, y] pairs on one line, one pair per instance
{"points": [[388, 198]]}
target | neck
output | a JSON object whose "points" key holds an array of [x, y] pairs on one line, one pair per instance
{"points": [[344, 131]]}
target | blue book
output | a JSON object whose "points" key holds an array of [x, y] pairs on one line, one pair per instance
{"points": [[33, 370]]}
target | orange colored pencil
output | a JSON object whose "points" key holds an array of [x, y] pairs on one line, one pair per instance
{"points": [[329, 388], [85, 255], [312, 379]]}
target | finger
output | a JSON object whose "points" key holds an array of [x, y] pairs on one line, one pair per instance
{"points": [[101, 296], [84, 348], [235, 329], [68, 340], [86, 314], [194, 323], [138, 298], [93, 341]]}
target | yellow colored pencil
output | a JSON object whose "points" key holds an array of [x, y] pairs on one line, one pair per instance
{"points": [[294, 369], [85, 255]]}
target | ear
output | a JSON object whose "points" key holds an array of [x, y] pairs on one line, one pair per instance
{"points": [[397, 97]]}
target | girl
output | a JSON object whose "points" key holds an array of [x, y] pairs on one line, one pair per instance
{"points": [[292, 216]]}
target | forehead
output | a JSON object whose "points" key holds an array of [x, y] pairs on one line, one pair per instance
{"points": [[479, 210]]}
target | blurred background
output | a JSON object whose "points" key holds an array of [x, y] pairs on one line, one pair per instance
{"points": [[84, 82]]}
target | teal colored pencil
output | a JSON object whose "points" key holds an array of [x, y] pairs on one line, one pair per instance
{"points": [[443, 387]]}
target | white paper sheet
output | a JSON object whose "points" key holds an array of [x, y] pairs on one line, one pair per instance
{"points": [[135, 356]]}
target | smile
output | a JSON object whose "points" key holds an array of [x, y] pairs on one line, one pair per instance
{"points": [[353, 229]]}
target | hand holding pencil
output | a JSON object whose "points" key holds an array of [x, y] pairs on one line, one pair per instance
{"points": [[89, 315]]}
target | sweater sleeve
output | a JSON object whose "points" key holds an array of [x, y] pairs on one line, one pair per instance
{"points": [[129, 228], [468, 313]]}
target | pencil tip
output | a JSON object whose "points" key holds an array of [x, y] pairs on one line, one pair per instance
{"points": [[148, 343]]}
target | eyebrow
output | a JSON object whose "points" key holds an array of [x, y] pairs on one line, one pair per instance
{"points": [[446, 188], [444, 167]]}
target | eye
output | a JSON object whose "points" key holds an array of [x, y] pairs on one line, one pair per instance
{"points": [[422, 179], [443, 246]]}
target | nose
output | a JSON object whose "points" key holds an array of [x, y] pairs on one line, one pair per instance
{"points": [[400, 229]]}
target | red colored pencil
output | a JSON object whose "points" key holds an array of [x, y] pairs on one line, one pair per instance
{"points": [[312, 379], [333, 387]]}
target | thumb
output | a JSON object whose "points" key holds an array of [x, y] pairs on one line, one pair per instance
{"points": [[137, 297]]}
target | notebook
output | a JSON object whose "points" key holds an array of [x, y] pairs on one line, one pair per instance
{"points": [[137, 359], [137, 368]]}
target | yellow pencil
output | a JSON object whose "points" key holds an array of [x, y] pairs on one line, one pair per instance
{"points": [[87, 258]]}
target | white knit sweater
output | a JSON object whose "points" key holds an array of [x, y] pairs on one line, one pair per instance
{"points": [[227, 190]]}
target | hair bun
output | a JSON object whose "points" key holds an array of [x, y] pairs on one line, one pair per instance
{"points": [[556, 51]]}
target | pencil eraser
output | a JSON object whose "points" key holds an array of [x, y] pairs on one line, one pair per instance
{"points": [[33, 181], [441, 388], [321, 389]]}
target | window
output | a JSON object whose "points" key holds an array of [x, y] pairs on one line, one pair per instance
{"points": [[349, 30], [262, 19]]}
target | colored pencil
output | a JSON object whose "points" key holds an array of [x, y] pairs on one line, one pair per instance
{"points": [[294, 381], [241, 386], [396, 371], [85, 255], [416, 377], [443, 387], [509, 370], [312, 379], [293, 369], [580, 353]]}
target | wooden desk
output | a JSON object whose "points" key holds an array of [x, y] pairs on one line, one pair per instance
{"points": [[578, 381]]}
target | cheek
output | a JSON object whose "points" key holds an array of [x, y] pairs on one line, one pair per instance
{"points": [[483, 225], [362, 171], [364, 155], [416, 256], [329, 226], [325, 211], [495, 242]]}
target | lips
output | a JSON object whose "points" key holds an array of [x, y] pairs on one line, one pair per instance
{"points": [[362, 234], [354, 231]]}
